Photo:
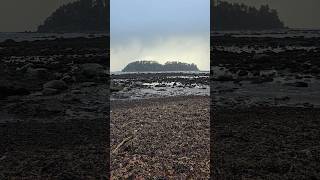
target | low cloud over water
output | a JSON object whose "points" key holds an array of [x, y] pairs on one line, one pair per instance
{"points": [[189, 49], [160, 30]]}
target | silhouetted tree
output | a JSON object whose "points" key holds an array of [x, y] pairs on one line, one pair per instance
{"points": [[79, 16], [228, 16]]}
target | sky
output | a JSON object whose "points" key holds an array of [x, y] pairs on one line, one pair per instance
{"points": [[160, 30], [26, 15]]}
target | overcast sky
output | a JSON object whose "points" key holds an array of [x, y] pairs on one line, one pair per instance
{"points": [[160, 30], [22, 15]]}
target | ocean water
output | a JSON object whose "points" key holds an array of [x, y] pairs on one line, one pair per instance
{"points": [[307, 33], [18, 37], [24, 36]]}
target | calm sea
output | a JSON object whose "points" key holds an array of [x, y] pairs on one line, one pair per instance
{"points": [[18, 37]]}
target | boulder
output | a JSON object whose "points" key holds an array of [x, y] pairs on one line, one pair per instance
{"points": [[115, 87], [91, 70]]}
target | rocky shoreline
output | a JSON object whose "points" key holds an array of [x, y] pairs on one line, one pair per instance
{"points": [[269, 71], [265, 106], [54, 109], [264, 116], [156, 85]]}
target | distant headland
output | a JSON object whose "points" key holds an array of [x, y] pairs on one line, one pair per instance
{"points": [[147, 66]]}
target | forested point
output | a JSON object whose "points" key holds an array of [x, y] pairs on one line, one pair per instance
{"points": [[234, 16], [144, 66], [79, 16], [93, 16]]}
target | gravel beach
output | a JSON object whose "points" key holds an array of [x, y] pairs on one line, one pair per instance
{"points": [[266, 143], [161, 138]]}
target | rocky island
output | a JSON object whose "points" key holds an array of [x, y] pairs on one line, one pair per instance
{"points": [[144, 66]]}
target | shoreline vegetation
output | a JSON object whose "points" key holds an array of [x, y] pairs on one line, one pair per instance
{"points": [[154, 66]]}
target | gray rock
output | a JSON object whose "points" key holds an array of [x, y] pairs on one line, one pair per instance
{"points": [[57, 75], [225, 78], [259, 56], [25, 67], [243, 73], [126, 89], [76, 91], [67, 78], [91, 70], [88, 84], [41, 73], [49, 91], [56, 84], [115, 87]]}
